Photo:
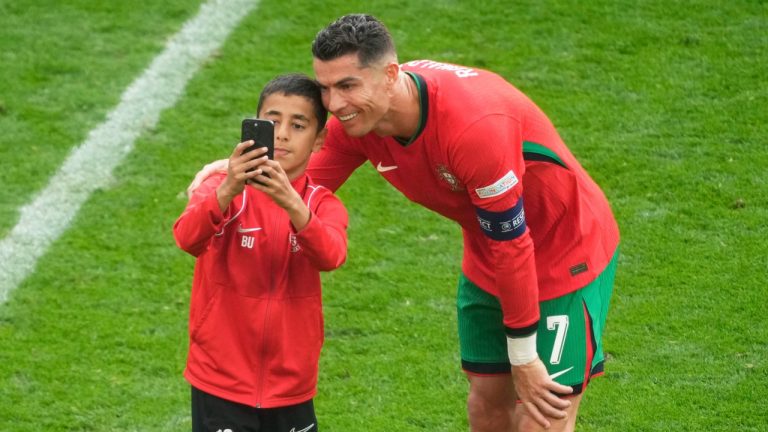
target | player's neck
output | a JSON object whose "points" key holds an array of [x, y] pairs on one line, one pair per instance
{"points": [[402, 119]]}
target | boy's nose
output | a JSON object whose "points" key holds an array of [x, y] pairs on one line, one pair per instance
{"points": [[282, 131]]}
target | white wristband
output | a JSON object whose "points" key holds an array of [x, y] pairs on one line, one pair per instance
{"points": [[522, 350]]}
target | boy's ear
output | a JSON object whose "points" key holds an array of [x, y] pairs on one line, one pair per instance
{"points": [[319, 140]]}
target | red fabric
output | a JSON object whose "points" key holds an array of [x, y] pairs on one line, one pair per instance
{"points": [[476, 125], [256, 324]]}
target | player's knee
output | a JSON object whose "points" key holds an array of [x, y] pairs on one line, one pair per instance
{"points": [[489, 413], [524, 422]]}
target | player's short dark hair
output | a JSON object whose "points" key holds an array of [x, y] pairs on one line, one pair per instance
{"points": [[296, 85], [354, 33]]}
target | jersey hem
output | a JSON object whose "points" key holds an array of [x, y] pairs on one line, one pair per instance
{"points": [[250, 401]]}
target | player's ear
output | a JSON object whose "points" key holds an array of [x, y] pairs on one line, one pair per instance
{"points": [[319, 139], [392, 72]]}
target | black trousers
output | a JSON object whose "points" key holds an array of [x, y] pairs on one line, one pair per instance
{"points": [[214, 414]]}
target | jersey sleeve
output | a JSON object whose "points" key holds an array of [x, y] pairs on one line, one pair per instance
{"points": [[487, 157], [201, 219], [336, 160], [324, 239]]}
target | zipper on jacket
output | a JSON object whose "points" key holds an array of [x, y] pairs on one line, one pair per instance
{"points": [[274, 245], [262, 371]]}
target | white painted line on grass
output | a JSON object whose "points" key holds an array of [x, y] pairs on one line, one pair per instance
{"points": [[90, 165]]}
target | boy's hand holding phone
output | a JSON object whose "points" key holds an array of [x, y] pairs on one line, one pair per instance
{"points": [[257, 145], [270, 177], [242, 166]]}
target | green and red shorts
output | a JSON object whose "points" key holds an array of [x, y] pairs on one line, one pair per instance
{"points": [[569, 339]]}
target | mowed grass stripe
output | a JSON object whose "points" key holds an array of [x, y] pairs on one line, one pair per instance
{"points": [[660, 101], [89, 166], [64, 67]]}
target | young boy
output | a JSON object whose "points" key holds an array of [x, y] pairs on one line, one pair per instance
{"points": [[256, 325]]}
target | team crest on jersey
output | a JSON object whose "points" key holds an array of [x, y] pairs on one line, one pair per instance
{"points": [[448, 177], [294, 243]]}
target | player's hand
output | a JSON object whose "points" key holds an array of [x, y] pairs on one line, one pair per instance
{"points": [[534, 388], [212, 168]]}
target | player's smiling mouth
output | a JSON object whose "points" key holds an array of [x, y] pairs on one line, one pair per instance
{"points": [[348, 116]]}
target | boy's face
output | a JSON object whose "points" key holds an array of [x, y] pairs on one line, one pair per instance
{"points": [[296, 135]]}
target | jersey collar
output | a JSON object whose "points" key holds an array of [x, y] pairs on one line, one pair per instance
{"points": [[421, 86]]}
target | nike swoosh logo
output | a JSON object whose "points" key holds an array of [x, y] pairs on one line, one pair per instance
{"points": [[382, 168], [303, 430], [240, 229], [557, 374]]}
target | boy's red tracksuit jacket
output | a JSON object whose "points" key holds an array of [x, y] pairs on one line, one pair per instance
{"points": [[256, 323]]}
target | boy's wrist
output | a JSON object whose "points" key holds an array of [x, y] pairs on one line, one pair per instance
{"points": [[230, 188], [299, 213], [224, 194], [295, 204]]}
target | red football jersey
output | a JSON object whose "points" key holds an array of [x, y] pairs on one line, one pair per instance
{"points": [[535, 225]]}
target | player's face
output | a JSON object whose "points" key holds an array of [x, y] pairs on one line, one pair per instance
{"points": [[357, 96], [296, 134]]}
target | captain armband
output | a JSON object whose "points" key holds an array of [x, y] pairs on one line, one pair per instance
{"points": [[505, 225]]}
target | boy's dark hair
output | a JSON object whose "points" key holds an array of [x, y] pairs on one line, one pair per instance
{"points": [[354, 33], [296, 85]]}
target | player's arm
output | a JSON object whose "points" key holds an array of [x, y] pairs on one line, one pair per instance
{"points": [[488, 159], [336, 160], [217, 166]]}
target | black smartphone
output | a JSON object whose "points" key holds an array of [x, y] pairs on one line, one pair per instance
{"points": [[262, 132]]}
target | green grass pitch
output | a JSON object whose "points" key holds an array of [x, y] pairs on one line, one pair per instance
{"points": [[664, 102]]}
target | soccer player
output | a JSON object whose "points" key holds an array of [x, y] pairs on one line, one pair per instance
{"points": [[540, 240], [256, 325]]}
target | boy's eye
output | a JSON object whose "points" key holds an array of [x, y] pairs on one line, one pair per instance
{"points": [[298, 126]]}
